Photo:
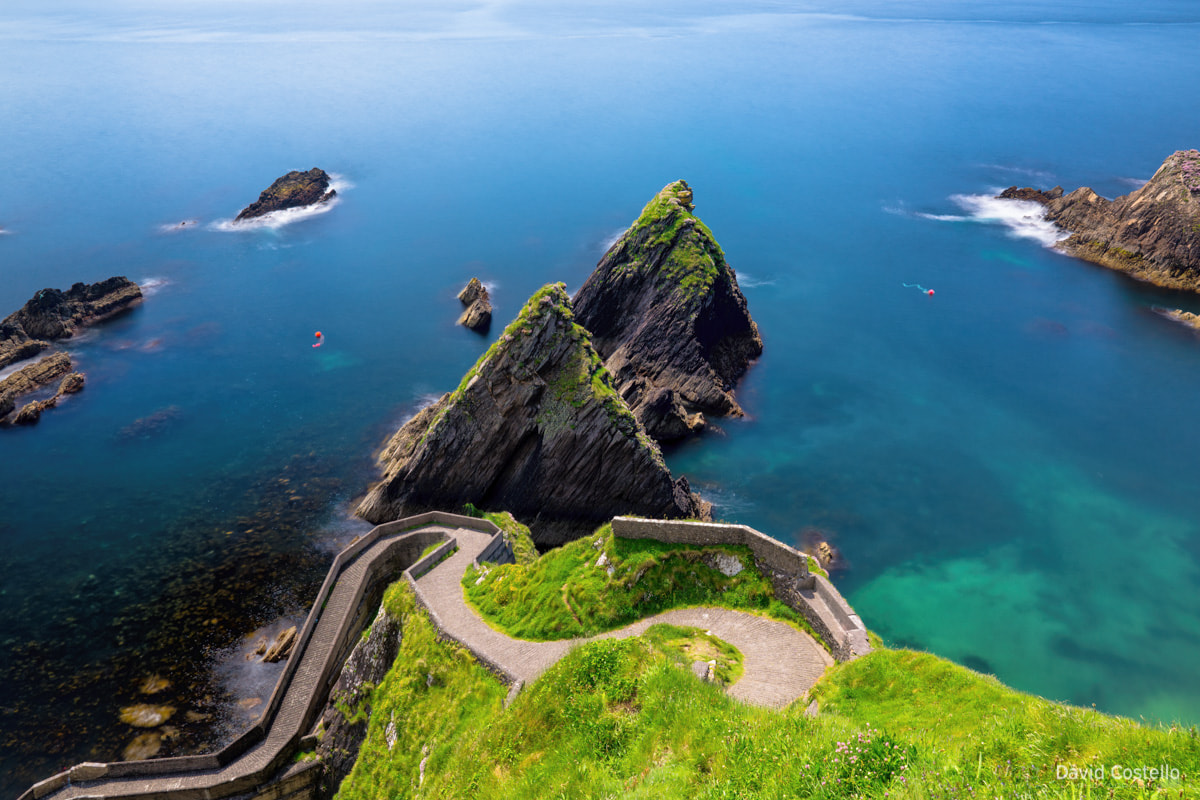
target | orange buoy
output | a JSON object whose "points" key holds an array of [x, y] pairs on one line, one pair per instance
{"points": [[320, 339]]}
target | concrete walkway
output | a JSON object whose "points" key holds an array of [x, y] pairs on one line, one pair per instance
{"points": [[781, 663]]}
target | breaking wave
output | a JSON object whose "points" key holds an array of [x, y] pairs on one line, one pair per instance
{"points": [[1024, 219]]}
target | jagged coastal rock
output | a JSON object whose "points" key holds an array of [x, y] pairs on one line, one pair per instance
{"points": [[33, 377], [1152, 234], [537, 428], [54, 314], [478, 314], [666, 313], [293, 190]]}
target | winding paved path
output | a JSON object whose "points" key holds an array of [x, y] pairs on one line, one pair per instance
{"points": [[781, 663]]}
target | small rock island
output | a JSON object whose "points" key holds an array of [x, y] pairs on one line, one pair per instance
{"points": [[294, 190], [536, 428], [49, 316], [667, 315], [1152, 233], [478, 313]]}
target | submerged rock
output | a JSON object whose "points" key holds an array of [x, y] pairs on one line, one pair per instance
{"points": [[666, 313], [293, 190], [537, 428], [144, 715], [1152, 233], [143, 746], [478, 314], [52, 314]]}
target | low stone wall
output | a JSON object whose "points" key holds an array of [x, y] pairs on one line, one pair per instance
{"points": [[809, 594]]}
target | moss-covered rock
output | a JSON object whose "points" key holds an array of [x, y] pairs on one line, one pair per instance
{"points": [[665, 311], [292, 190], [536, 427]]}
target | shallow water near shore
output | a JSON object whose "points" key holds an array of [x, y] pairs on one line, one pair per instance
{"points": [[1007, 465]]}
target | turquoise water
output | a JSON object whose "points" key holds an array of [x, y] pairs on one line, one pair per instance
{"points": [[1007, 466]]}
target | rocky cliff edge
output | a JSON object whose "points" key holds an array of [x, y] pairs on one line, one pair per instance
{"points": [[1152, 233]]}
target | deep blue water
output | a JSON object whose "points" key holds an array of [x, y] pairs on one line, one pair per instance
{"points": [[1008, 466]]}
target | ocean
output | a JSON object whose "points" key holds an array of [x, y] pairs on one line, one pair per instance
{"points": [[1007, 466]]}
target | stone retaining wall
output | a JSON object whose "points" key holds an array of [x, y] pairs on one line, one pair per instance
{"points": [[809, 594]]}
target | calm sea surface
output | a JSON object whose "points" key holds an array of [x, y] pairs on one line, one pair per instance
{"points": [[1009, 466]]}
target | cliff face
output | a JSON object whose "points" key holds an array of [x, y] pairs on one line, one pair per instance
{"points": [[536, 428], [290, 191], [1153, 233], [54, 314], [666, 313]]}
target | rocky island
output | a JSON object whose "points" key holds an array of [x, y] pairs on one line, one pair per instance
{"points": [[536, 428], [49, 316], [667, 315], [478, 313], [1152, 233], [294, 190]]}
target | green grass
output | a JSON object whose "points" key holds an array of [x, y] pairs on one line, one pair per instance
{"points": [[626, 718], [566, 594], [689, 645]]}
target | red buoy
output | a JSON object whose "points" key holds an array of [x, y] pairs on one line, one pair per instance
{"points": [[929, 292], [320, 338]]}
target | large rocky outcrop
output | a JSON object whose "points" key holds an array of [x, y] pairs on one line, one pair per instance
{"points": [[536, 427], [293, 190], [54, 314], [666, 313], [1152, 234]]}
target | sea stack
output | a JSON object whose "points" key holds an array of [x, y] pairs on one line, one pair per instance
{"points": [[667, 315], [1152, 233], [536, 428], [294, 190], [478, 314]]}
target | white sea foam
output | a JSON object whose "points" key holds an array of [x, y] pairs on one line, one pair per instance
{"points": [[613, 238], [491, 286], [748, 281], [277, 219], [943, 217], [1024, 219], [152, 286], [1136, 183]]}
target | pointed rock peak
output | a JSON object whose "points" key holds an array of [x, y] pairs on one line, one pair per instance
{"points": [[535, 427], [666, 313]]}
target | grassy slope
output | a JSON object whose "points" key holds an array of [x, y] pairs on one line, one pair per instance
{"points": [[627, 719], [564, 593]]}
